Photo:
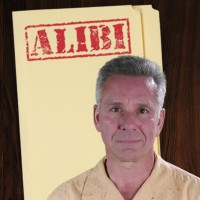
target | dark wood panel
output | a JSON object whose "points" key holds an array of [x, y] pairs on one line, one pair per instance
{"points": [[12, 187], [1, 124], [181, 46], [180, 34]]}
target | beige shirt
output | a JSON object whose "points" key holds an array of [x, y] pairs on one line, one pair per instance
{"points": [[166, 182]]}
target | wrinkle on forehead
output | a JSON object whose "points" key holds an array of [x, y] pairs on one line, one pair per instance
{"points": [[148, 81]]}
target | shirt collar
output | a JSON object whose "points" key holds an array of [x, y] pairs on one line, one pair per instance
{"points": [[99, 186]]}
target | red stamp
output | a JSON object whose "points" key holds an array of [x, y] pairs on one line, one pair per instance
{"points": [[77, 39]]}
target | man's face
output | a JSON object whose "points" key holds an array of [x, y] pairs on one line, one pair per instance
{"points": [[128, 117]]}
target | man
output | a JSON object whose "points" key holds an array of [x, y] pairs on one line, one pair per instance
{"points": [[129, 115]]}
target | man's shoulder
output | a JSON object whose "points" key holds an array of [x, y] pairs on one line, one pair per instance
{"points": [[73, 188], [177, 172], [177, 177], [70, 187]]}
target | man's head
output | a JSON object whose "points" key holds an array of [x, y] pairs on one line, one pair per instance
{"points": [[129, 114], [132, 66]]}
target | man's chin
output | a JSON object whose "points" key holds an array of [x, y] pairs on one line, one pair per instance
{"points": [[130, 155]]}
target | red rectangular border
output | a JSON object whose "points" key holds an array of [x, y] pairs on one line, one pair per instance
{"points": [[74, 23]]}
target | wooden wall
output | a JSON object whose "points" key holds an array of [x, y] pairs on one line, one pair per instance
{"points": [[180, 34]]}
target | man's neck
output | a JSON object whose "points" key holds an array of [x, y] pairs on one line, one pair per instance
{"points": [[128, 177]]}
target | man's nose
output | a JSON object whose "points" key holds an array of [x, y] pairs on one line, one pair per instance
{"points": [[129, 122]]}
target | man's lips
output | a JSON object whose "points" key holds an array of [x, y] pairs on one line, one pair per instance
{"points": [[128, 141]]}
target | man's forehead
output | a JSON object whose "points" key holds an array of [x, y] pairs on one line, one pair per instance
{"points": [[130, 79], [123, 88]]}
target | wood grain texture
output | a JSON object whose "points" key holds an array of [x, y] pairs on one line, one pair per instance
{"points": [[180, 140], [1, 103], [180, 35]]}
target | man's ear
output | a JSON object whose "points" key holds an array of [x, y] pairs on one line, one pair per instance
{"points": [[161, 121], [96, 117]]}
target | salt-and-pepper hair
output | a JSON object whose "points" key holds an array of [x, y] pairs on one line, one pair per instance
{"points": [[132, 66]]}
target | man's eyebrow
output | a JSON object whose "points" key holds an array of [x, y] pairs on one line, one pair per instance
{"points": [[143, 105], [146, 105]]}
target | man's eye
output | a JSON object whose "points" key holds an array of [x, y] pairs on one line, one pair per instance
{"points": [[116, 109], [143, 110]]}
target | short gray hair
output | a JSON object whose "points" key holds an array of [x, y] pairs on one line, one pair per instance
{"points": [[132, 66]]}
